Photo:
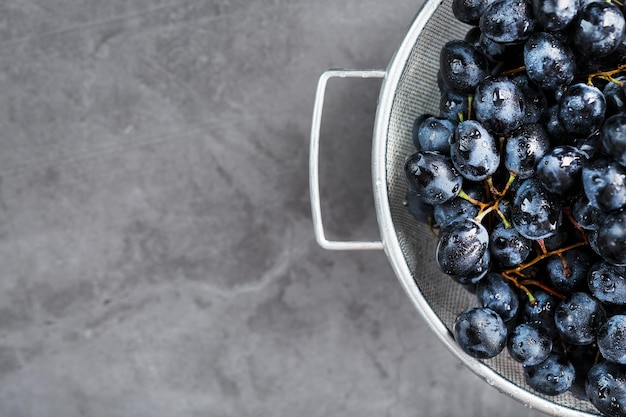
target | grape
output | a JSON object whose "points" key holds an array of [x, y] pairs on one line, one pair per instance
{"points": [[541, 312], [452, 103], [553, 126], [493, 50], [578, 318], [613, 135], [590, 146], [560, 169], [529, 344], [462, 66], [612, 339], [553, 376], [604, 182], [495, 292], [553, 15], [569, 273], [507, 21], [462, 246], [611, 239], [499, 105], [416, 126], [469, 11], [549, 61], [586, 216], [417, 207], [458, 208], [536, 213], [524, 148], [473, 151], [581, 109], [606, 388], [508, 247], [476, 273], [607, 283], [583, 358], [480, 332], [615, 96], [534, 97], [472, 36], [433, 177], [599, 29]]}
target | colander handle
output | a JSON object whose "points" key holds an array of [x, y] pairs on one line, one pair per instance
{"points": [[314, 185]]}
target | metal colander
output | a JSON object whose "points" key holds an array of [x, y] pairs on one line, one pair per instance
{"points": [[409, 88]]}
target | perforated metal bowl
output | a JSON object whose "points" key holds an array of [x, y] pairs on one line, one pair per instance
{"points": [[409, 88]]}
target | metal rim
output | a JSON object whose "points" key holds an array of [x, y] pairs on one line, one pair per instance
{"points": [[389, 237]]}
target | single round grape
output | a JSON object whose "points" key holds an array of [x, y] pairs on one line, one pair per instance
{"points": [[604, 183], [615, 95], [508, 247], [555, 15], [560, 169], [461, 246], [462, 66], [578, 318], [553, 376], [507, 21], [611, 238], [612, 339], [433, 177], [459, 208], [607, 283], [568, 273], [606, 388], [480, 332], [536, 213], [496, 293], [541, 312], [549, 61], [469, 11], [598, 29], [581, 109], [473, 151], [613, 135], [452, 103], [524, 148], [529, 344], [499, 105]]}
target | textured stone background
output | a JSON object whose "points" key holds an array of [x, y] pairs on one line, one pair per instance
{"points": [[155, 236]]}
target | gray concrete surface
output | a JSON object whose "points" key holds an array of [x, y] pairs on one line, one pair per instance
{"points": [[155, 236]]}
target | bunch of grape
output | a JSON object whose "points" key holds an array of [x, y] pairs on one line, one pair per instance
{"points": [[522, 175]]}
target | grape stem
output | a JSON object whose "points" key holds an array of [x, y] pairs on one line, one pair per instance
{"points": [[543, 256], [568, 213], [514, 71], [512, 274], [486, 208], [607, 75]]}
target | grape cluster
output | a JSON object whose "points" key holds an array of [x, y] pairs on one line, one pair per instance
{"points": [[522, 176]]}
